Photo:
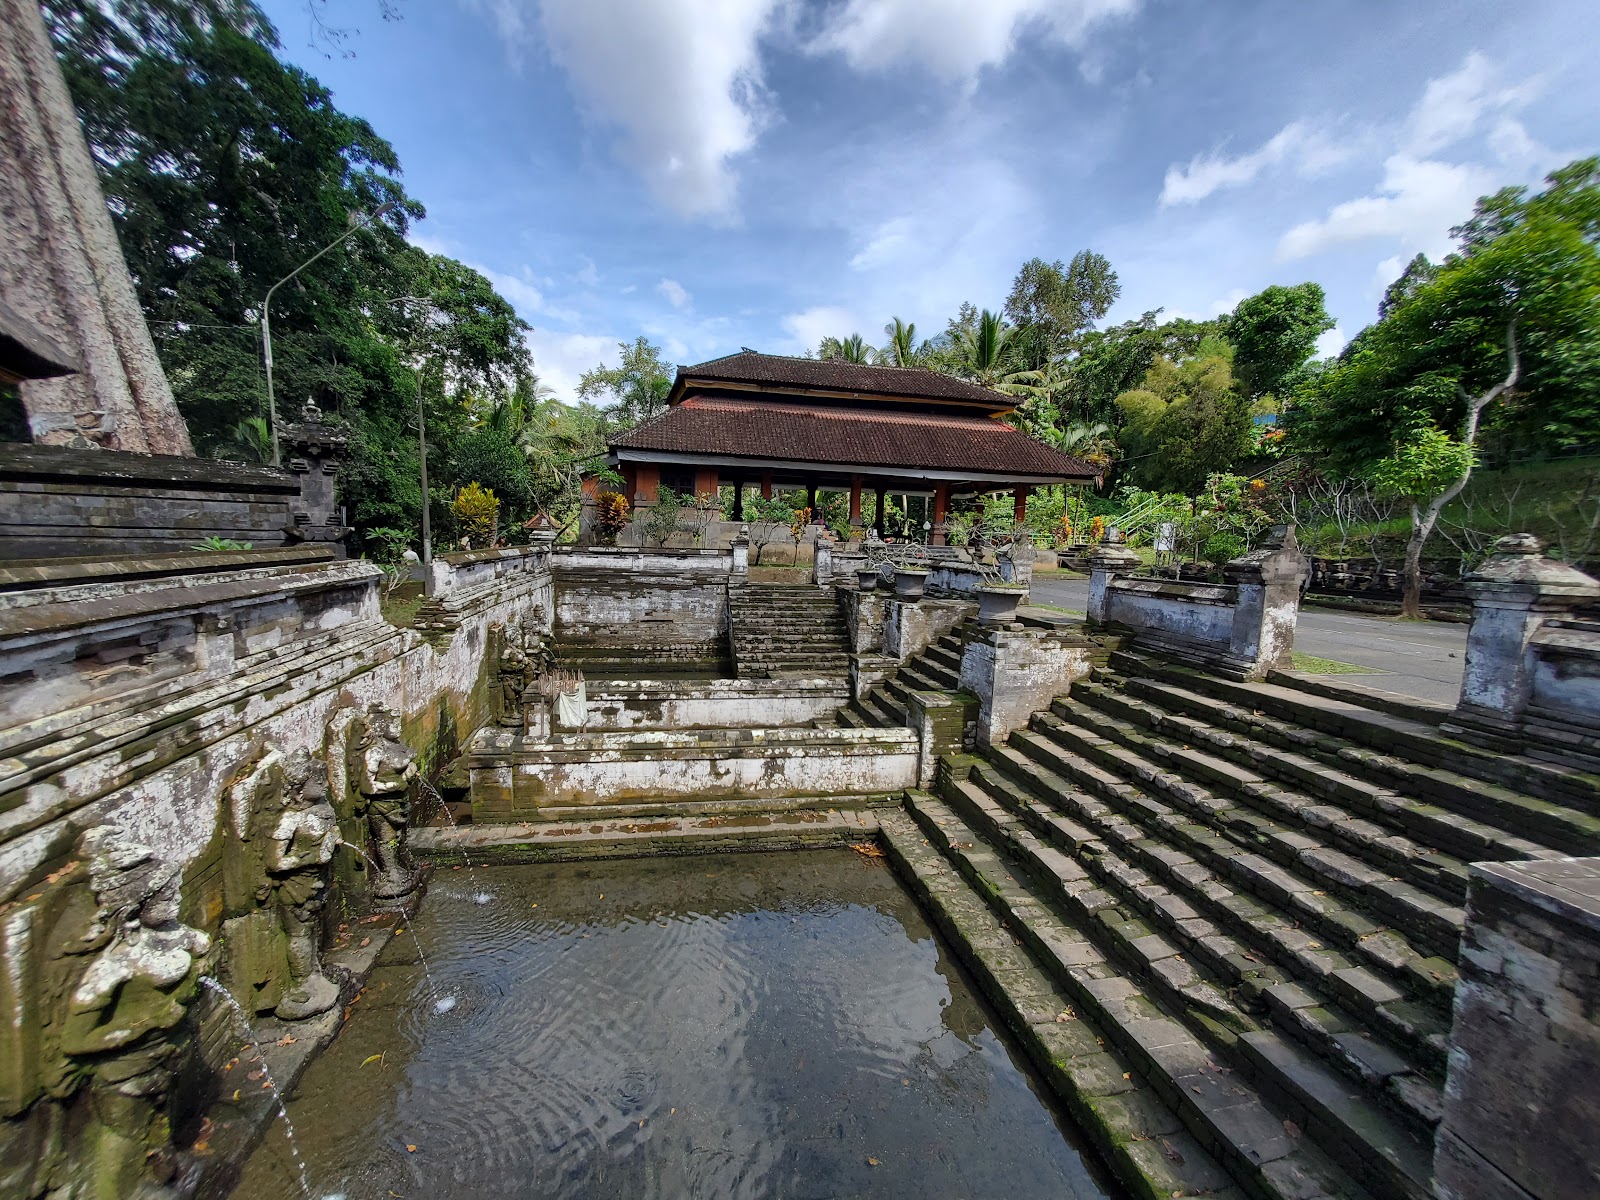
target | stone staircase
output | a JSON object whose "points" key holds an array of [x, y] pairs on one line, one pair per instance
{"points": [[936, 669], [786, 631], [1244, 903]]}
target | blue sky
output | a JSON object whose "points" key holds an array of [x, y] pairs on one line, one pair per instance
{"points": [[726, 173]]}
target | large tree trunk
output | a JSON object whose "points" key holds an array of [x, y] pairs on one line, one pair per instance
{"points": [[1424, 519]]}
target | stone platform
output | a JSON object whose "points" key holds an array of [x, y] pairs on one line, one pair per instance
{"points": [[622, 704], [515, 778]]}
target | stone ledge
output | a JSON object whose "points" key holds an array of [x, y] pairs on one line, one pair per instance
{"points": [[1564, 887]]}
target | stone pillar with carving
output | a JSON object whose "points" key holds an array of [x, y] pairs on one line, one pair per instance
{"points": [[302, 846], [1111, 558], [381, 770], [1268, 604], [314, 450], [1515, 593]]}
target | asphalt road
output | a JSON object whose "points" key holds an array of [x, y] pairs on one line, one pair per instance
{"points": [[1422, 659]]}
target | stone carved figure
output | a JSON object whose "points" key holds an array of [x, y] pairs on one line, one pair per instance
{"points": [[302, 845], [122, 1014], [381, 769], [513, 677]]}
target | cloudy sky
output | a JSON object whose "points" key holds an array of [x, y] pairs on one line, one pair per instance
{"points": [[726, 173]]}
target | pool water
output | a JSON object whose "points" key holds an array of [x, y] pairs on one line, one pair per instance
{"points": [[749, 1025]]}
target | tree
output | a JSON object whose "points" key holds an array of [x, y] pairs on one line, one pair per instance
{"points": [[984, 354], [1051, 304], [902, 349], [1185, 422], [852, 349], [1273, 333], [636, 388], [1504, 336]]}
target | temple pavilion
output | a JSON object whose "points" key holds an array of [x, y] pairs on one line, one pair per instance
{"points": [[771, 421]]}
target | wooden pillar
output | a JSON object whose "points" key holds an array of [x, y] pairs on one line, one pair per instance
{"points": [[630, 480], [855, 501], [941, 501], [1019, 505], [811, 500], [882, 497], [738, 499], [766, 485]]}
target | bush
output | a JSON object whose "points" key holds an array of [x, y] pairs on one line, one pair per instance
{"points": [[661, 522], [1221, 548], [611, 513], [491, 458], [386, 544], [477, 512]]}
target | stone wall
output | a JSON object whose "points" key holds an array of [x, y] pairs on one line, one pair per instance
{"points": [[1520, 1105], [1015, 672], [132, 707], [712, 703], [1243, 627], [58, 502], [652, 607]]}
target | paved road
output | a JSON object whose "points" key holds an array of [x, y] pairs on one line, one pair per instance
{"points": [[1423, 659]]}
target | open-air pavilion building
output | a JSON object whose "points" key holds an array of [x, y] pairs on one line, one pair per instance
{"points": [[775, 422]]}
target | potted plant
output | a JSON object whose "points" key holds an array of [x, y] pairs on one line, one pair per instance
{"points": [[910, 582], [998, 602], [866, 578]]}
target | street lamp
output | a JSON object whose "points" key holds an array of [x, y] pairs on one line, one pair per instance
{"points": [[422, 458], [266, 319]]}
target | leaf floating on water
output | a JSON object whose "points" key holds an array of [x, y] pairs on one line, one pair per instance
{"points": [[236, 1092], [373, 1058], [1291, 1129], [411, 1148], [872, 1162]]}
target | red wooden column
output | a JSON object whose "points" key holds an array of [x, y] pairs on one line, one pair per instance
{"points": [[705, 483], [1019, 506], [766, 485], [855, 501], [630, 480], [941, 502]]}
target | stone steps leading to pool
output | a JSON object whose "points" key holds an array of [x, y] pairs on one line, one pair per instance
{"points": [[1276, 874], [779, 631]]}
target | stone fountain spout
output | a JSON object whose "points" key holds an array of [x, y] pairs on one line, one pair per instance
{"points": [[381, 768]]}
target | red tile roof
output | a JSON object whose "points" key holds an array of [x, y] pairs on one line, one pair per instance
{"points": [[849, 437], [780, 371]]}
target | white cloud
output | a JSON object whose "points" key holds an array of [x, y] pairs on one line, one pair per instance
{"points": [[679, 80], [1310, 152], [588, 274], [888, 242], [955, 39], [1331, 342], [1420, 196], [675, 293], [1453, 105], [562, 358], [807, 328], [1416, 203]]}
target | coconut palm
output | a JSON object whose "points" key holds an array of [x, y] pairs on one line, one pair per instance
{"points": [[249, 441], [902, 349], [982, 354], [852, 349]]}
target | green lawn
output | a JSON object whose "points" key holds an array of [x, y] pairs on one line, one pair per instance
{"points": [[1312, 665]]}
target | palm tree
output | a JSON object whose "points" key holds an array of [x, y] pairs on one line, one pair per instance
{"points": [[983, 356], [249, 441], [852, 349], [902, 349]]}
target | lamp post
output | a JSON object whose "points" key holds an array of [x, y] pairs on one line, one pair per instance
{"points": [[422, 458], [266, 319]]}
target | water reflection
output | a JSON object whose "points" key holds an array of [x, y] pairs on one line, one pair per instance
{"points": [[742, 1026]]}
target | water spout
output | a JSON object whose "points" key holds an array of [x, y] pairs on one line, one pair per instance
{"points": [[261, 1056]]}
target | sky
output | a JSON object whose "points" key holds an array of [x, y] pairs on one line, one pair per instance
{"points": [[716, 174]]}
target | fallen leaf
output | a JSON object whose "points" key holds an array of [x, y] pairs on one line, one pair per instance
{"points": [[236, 1095], [1171, 1151], [365, 942], [410, 1148], [373, 1058], [287, 1039], [1291, 1129], [872, 1162]]}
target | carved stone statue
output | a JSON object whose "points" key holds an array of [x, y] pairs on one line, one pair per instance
{"points": [[122, 1014], [513, 677], [381, 770], [302, 845]]}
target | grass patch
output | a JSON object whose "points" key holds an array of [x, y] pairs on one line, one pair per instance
{"points": [[1312, 665], [399, 607]]}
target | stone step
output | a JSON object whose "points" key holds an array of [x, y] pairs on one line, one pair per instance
{"points": [[1231, 1117], [850, 718], [1139, 1137], [1262, 977], [1474, 819], [1109, 713], [1191, 849], [948, 659], [1386, 733], [928, 676], [881, 710], [1290, 862]]}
